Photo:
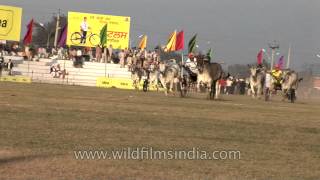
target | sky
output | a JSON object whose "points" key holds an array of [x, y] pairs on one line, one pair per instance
{"points": [[235, 29]]}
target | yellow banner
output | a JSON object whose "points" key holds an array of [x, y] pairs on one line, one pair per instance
{"points": [[121, 83], [10, 23], [19, 79], [84, 30]]}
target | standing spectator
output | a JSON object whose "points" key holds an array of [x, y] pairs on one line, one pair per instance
{"points": [[54, 51], [223, 84], [129, 59], [121, 57], [27, 53], [229, 85], [61, 53], [109, 53], [10, 67], [73, 54], [98, 53]]}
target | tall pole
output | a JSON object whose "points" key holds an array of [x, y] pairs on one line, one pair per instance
{"points": [[289, 56], [272, 59], [182, 62], [105, 61], [48, 40], [57, 30], [273, 46]]}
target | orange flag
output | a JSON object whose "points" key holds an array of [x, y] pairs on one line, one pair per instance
{"points": [[143, 42], [171, 45]]}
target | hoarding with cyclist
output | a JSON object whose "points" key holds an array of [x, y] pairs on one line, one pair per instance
{"points": [[84, 30], [10, 23]]}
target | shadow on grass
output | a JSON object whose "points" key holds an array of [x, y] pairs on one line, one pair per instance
{"points": [[16, 159]]}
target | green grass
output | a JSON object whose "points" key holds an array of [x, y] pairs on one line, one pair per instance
{"points": [[41, 125]]}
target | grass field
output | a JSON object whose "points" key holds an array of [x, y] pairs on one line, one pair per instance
{"points": [[41, 125]]}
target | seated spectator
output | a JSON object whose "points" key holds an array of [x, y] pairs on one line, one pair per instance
{"points": [[78, 63]]}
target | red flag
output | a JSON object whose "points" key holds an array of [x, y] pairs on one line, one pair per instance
{"points": [[28, 37], [180, 41], [259, 57]]}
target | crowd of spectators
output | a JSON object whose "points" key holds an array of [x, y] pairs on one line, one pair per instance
{"points": [[79, 55], [5, 66]]}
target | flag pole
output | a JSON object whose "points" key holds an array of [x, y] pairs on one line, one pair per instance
{"points": [[182, 62], [105, 61], [289, 56], [57, 30]]}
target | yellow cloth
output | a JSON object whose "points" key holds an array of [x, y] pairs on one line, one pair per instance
{"points": [[277, 75]]}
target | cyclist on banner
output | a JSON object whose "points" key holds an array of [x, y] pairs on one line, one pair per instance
{"points": [[84, 27]]}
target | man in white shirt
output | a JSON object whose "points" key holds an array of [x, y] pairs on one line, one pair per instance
{"points": [[268, 80], [191, 64], [79, 53], [84, 29]]}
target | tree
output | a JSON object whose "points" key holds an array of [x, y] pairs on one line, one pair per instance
{"points": [[43, 35], [239, 70]]}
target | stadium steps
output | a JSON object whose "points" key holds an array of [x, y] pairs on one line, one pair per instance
{"points": [[86, 76]]}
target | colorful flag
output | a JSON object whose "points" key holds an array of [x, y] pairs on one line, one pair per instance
{"points": [[281, 62], [63, 36], [180, 41], [209, 54], [28, 37], [260, 57], [103, 35], [192, 44], [171, 45], [143, 42]]}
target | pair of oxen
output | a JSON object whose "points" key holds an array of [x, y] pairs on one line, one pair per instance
{"points": [[172, 74], [263, 82]]}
